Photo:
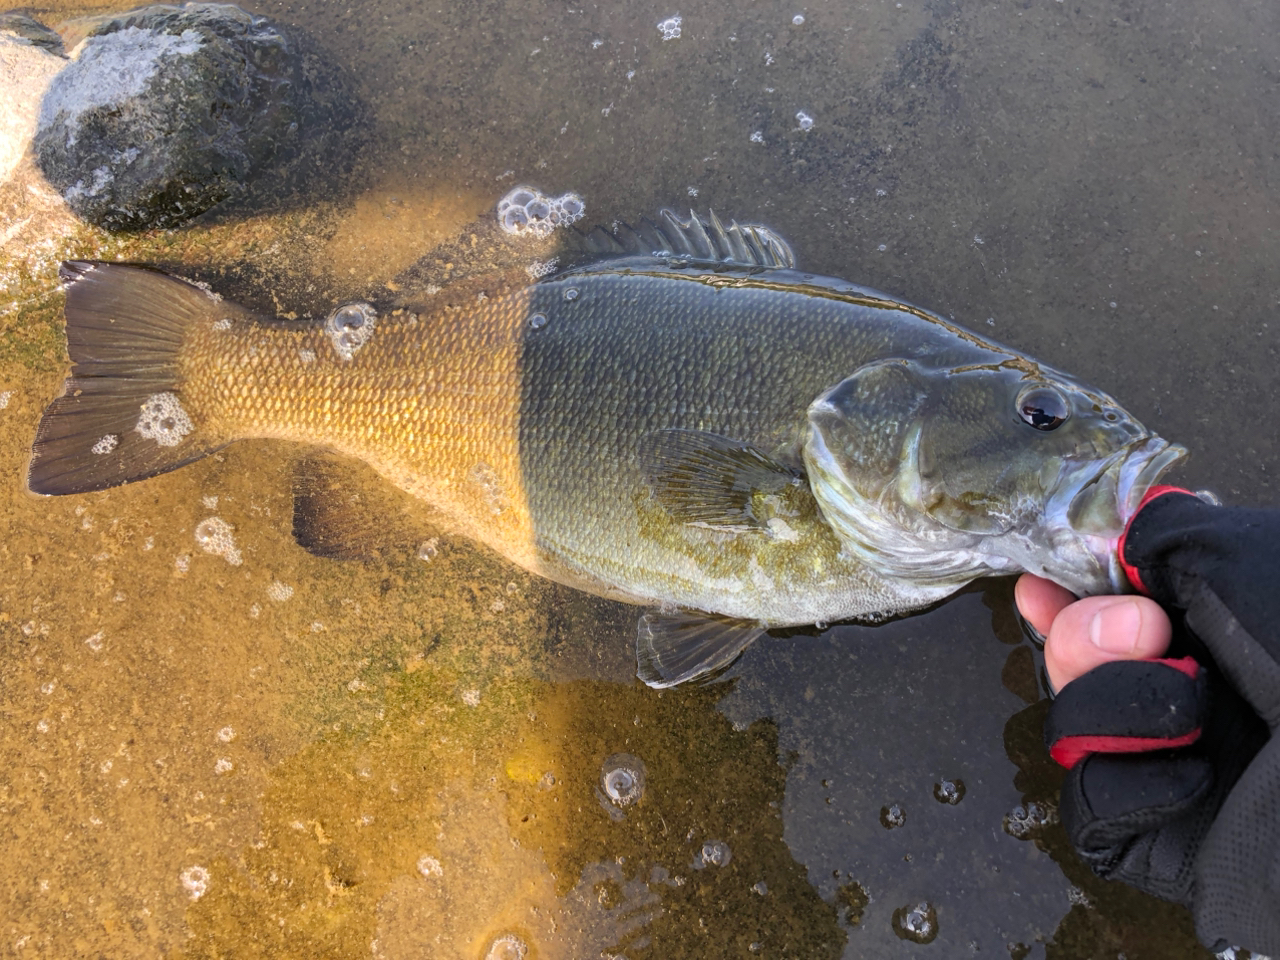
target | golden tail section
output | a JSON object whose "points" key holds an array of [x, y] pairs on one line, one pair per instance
{"points": [[121, 416]]}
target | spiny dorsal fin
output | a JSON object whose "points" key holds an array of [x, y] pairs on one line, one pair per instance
{"points": [[749, 244], [712, 481], [673, 648], [342, 509]]}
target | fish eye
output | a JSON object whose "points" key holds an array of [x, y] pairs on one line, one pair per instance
{"points": [[1043, 408]]}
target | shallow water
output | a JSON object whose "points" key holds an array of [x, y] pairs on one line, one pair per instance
{"points": [[404, 760]]}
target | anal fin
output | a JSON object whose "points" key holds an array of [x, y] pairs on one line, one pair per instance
{"points": [[342, 509], [678, 647]]}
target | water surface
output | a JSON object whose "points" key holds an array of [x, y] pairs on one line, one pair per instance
{"points": [[404, 759]]}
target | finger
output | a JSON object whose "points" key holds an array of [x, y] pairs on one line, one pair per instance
{"points": [[1040, 601], [1097, 630]]}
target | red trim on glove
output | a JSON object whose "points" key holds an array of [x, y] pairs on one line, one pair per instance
{"points": [[1071, 750], [1131, 572]]}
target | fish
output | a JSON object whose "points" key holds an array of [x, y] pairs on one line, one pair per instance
{"points": [[678, 418]]}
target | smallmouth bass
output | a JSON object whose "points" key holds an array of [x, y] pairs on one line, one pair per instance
{"points": [[688, 424]]}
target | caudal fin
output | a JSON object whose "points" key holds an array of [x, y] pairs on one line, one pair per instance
{"points": [[121, 416]]}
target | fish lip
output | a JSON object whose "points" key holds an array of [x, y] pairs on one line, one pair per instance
{"points": [[1133, 470], [1136, 466], [1140, 471]]}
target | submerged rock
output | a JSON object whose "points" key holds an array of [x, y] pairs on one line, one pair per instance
{"points": [[30, 57], [168, 111]]}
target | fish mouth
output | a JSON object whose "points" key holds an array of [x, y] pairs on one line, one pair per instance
{"points": [[1100, 502]]}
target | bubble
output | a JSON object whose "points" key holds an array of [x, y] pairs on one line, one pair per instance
{"points": [[223, 766], [757, 137], [507, 947], [798, 19], [94, 642], [714, 853], [805, 121], [538, 321], [949, 791], [195, 880], [527, 211], [541, 268], [227, 734], [163, 420], [429, 549], [215, 536], [670, 27], [761, 888], [429, 867], [279, 591], [106, 444], [622, 778], [571, 293], [892, 816], [919, 924], [1023, 822], [349, 328]]}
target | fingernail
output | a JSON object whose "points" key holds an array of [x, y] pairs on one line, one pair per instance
{"points": [[1114, 629]]}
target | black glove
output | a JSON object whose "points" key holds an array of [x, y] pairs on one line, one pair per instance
{"points": [[1174, 781]]}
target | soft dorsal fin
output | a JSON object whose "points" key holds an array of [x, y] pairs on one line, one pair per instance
{"points": [[342, 509], [674, 648], [712, 481], [698, 238]]}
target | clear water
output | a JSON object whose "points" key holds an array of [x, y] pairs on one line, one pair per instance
{"points": [[296, 757]]}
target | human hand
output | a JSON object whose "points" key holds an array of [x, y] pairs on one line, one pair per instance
{"points": [[1174, 765], [1083, 634]]}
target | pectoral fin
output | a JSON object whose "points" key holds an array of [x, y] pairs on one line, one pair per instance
{"points": [[712, 481], [675, 648]]}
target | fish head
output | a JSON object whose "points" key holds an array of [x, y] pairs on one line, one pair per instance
{"points": [[937, 475]]}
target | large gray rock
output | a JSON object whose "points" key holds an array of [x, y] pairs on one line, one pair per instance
{"points": [[30, 57], [167, 111]]}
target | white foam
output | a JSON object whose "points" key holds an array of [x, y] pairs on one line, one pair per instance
{"points": [[527, 212], [670, 27], [163, 420], [195, 880], [106, 444], [215, 536]]}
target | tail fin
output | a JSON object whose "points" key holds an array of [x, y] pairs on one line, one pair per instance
{"points": [[121, 416]]}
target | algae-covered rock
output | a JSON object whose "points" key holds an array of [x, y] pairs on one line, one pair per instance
{"points": [[167, 111]]}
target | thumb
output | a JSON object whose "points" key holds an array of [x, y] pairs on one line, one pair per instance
{"points": [[1097, 630]]}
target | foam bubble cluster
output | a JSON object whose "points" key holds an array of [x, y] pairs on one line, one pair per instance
{"points": [[215, 536], [670, 27], [622, 779], [1024, 822], [714, 853], [528, 212], [892, 816], [350, 327], [919, 924], [507, 947], [105, 444], [195, 880], [949, 791], [163, 420]]}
